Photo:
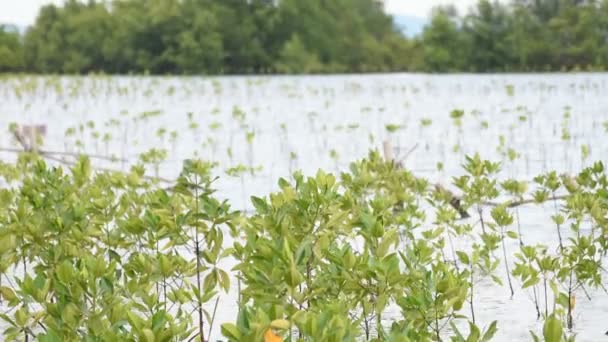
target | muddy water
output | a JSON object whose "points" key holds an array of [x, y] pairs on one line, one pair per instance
{"points": [[281, 124]]}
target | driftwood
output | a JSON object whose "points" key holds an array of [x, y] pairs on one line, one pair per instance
{"points": [[456, 201], [27, 137], [63, 153], [513, 204]]}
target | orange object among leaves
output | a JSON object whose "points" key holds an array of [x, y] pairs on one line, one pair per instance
{"points": [[270, 336]]}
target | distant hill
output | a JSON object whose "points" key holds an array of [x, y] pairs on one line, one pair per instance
{"points": [[410, 25], [13, 28]]}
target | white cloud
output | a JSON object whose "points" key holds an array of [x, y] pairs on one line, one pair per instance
{"points": [[23, 12], [422, 8]]}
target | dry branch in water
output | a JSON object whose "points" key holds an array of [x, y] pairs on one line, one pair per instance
{"points": [[455, 201], [30, 147]]}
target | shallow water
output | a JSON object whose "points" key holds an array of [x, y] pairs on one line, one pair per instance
{"points": [[313, 122]]}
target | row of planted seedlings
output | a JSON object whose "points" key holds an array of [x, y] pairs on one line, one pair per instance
{"points": [[331, 257], [370, 255], [109, 256], [172, 88]]}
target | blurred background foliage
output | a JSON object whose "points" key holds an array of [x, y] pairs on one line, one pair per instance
{"points": [[305, 36]]}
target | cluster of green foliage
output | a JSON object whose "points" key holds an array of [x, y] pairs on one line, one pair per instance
{"points": [[11, 50], [212, 36], [522, 35], [312, 36], [100, 256], [108, 256]]}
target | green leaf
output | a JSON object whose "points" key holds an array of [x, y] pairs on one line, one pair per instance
{"points": [[231, 331], [50, 336], [463, 257], [390, 238], [534, 337], [21, 317], [7, 293], [149, 335], [259, 204], [281, 324], [474, 334], [490, 332], [530, 282], [512, 234], [7, 243], [224, 280], [497, 280], [552, 330]]}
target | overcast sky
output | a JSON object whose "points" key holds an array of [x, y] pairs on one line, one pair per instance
{"points": [[23, 12], [421, 8]]}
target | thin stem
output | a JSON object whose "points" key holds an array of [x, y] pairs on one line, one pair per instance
{"points": [[504, 252], [437, 321], [366, 323], [217, 301], [483, 225], [453, 252], [546, 301], [27, 336], [379, 325], [559, 233], [471, 299], [536, 302], [521, 241], [437, 327], [198, 268], [570, 308]]}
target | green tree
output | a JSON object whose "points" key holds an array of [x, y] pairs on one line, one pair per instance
{"points": [[296, 58], [444, 44], [11, 50], [487, 28]]}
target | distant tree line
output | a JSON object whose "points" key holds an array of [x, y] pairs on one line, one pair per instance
{"points": [[523, 35], [305, 36]]}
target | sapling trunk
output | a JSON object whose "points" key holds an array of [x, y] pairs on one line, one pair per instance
{"points": [[521, 241], [480, 212], [378, 315], [570, 308], [546, 301], [198, 269], [290, 301], [27, 336], [217, 301], [559, 232], [308, 277], [198, 286], [108, 238], [536, 302], [504, 252], [453, 252], [379, 325], [157, 283], [437, 329], [472, 298], [366, 323], [164, 279], [585, 291]]}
